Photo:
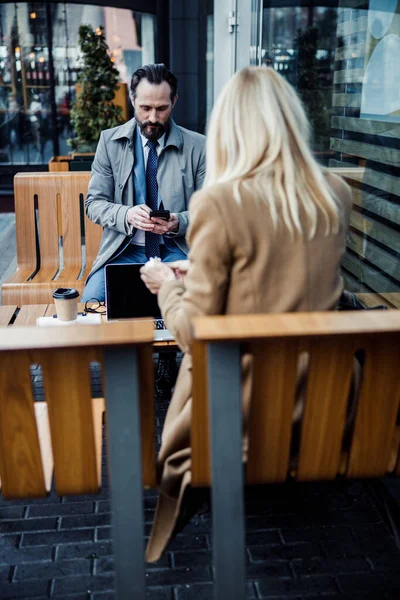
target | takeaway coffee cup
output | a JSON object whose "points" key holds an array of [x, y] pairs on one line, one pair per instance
{"points": [[66, 301]]}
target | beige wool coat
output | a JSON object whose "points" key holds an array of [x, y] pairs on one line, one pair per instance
{"points": [[239, 264]]}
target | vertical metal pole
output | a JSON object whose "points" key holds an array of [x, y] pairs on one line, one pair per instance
{"points": [[121, 383], [224, 371]]}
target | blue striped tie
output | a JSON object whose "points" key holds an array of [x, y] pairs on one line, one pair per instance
{"points": [[152, 242]]}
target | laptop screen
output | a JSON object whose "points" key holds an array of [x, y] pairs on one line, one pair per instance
{"points": [[127, 297]]}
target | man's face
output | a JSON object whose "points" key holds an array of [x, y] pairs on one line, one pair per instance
{"points": [[153, 108]]}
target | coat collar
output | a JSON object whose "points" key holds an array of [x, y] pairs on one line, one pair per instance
{"points": [[175, 137]]}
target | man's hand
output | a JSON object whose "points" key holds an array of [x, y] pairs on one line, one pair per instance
{"points": [[161, 226], [154, 273], [139, 217]]}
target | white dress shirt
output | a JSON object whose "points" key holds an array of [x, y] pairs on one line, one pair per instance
{"points": [[140, 237]]}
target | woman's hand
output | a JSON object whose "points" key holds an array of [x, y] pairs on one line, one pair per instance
{"points": [[180, 268], [154, 273]]}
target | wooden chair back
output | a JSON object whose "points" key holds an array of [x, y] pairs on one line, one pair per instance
{"points": [[54, 237], [66, 429], [331, 340]]}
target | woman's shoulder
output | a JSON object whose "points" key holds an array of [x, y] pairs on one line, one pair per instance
{"points": [[341, 189], [217, 194]]}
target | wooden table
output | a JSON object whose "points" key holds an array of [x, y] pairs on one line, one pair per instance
{"points": [[27, 315]]}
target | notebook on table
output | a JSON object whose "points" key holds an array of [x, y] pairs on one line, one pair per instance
{"points": [[127, 297]]}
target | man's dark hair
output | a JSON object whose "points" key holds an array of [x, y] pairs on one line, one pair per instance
{"points": [[154, 74]]}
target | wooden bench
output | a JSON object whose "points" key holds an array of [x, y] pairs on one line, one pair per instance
{"points": [[56, 242], [275, 341], [66, 429]]}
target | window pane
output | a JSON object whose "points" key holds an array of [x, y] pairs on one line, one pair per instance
{"points": [[130, 37], [25, 107], [344, 61], [27, 123]]}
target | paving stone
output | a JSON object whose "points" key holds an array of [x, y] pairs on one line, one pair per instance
{"points": [[338, 548], [261, 538], [85, 520], [5, 571], [269, 568], [84, 550], [356, 582], [330, 565], [21, 525], [76, 508], [317, 534], [28, 589], [288, 587], [11, 512], [59, 568], [153, 593], [107, 564], [287, 552], [70, 585], [10, 555], [205, 592], [385, 561], [347, 517], [185, 575], [57, 537], [193, 559]]}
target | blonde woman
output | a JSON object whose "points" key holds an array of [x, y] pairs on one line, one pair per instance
{"points": [[267, 234]]}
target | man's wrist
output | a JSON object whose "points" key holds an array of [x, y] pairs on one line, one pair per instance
{"points": [[175, 230]]}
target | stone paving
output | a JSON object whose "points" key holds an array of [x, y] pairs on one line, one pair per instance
{"points": [[303, 541]]}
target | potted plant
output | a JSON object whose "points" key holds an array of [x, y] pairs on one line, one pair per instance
{"points": [[94, 108]]}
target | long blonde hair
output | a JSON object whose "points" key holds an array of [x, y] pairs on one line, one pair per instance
{"points": [[258, 138]]}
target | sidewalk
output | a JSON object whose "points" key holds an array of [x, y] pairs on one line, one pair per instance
{"points": [[304, 541]]}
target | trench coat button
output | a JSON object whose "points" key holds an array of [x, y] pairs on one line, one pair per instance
{"points": [[120, 186]]}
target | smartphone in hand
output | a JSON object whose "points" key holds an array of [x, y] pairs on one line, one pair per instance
{"points": [[160, 214]]}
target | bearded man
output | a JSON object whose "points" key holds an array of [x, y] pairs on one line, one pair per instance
{"points": [[147, 164]]}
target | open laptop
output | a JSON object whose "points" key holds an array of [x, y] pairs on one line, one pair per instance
{"points": [[127, 297]]}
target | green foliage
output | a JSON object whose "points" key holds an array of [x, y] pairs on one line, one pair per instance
{"points": [[93, 109]]}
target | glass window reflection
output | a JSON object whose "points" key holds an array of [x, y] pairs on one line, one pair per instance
{"points": [[35, 99], [343, 61]]}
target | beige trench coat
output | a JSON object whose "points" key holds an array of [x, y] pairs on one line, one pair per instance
{"points": [[239, 264]]}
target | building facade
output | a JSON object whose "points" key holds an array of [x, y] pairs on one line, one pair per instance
{"points": [[341, 56]]}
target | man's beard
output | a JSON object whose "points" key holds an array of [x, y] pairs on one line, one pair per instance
{"points": [[152, 131]]}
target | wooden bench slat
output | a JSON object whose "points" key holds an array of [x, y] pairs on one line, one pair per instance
{"points": [[48, 225], [28, 314], [67, 384], [200, 432], [275, 365], [59, 210], [46, 274], [292, 325], [93, 235], [43, 429], [98, 410], [6, 313], [378, 407], [25, 223], [71, 222], [328, 385], [21, 469]]}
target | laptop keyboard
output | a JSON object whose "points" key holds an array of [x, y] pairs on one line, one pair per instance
{"points": [[159, 324]]}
